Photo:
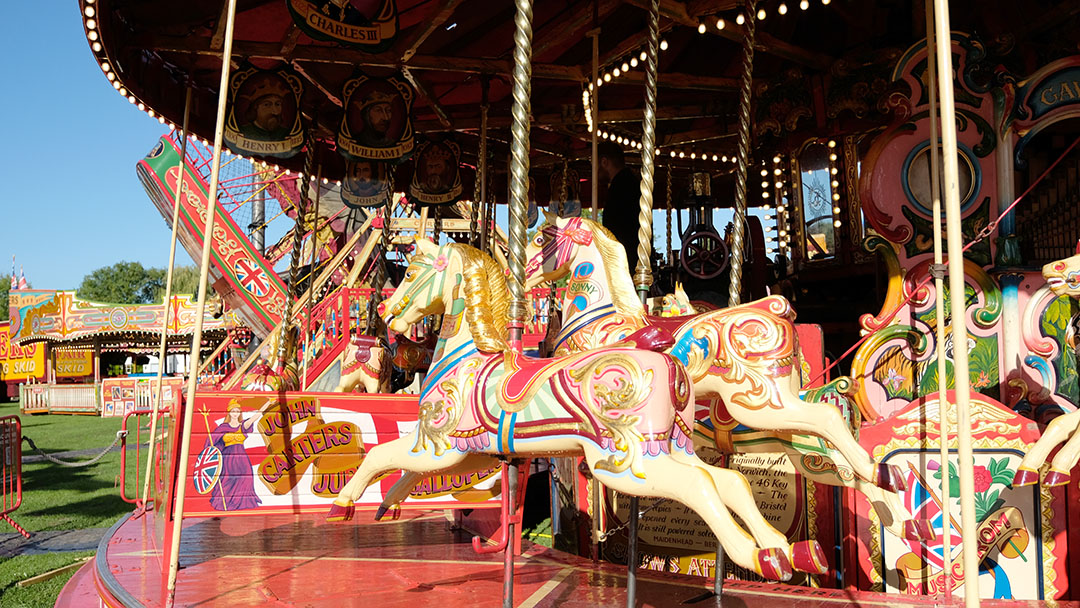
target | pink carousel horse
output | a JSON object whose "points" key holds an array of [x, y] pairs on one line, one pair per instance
{"points": [[1063, 276], [743, 358], [628, 410]]}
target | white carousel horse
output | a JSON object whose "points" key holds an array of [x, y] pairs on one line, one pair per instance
{"points": [[742, 358], [628, 410], [1063, 276], [363, 364]]}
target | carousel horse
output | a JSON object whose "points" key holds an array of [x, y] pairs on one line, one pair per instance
{"points": [[743, 359], [676, 304], [363, 364], [628, 410], [1063, 276]]}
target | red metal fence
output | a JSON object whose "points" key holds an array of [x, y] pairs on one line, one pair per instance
{"points": [[11, 469]]}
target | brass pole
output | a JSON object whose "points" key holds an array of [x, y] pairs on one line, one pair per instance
{"points": [[957, 304], [938, 271], [738, 230], [204, 271], [519, 167], [594, 109], [643, 275], [162, 349], [309, 335]]}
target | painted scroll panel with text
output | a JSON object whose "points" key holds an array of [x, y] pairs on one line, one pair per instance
{"points": [[1021, 535], [255, 452]]}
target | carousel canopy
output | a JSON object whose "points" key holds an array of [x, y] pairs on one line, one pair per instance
{"points": [[820, 67]]}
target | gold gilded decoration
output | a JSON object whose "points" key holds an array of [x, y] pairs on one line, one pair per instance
{"points": [[604, 402]]}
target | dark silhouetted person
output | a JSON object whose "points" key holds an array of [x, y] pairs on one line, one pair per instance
{"points": [[621, 208]]}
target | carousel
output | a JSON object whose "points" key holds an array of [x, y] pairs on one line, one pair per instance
{"points": [[461, 183]]}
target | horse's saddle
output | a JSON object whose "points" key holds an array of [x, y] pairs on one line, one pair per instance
{"points": [[668, 325], [651, 337]]}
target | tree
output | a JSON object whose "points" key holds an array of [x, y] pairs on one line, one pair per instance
{"points": [[185, 281], [5, 285], [122, 283]]}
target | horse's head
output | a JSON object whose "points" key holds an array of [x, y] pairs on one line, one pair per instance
{"points": [[421, 292], [551, 252], [1063, 276]]}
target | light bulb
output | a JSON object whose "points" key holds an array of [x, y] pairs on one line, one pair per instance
{"points": [[701, 28], [777, 171], [778, 185], [625, 67], [764, 184], [672, 154], [96, 46], [740, 19], [616, 72], [836, 196], [834, 184], [89, 12], [833, 170], [764, 173], [723, 158], [776, 160], [804, 4], [764, 195], [693, 155], [825, 2], [832, 143], [715, 157], [720, 24], [642, 56], [782, 9], [682, 154], [633, 62], [832, 157], [607, 77], [663, 45], [766, 207], [836, 210], [761, 14], [837, 222]]}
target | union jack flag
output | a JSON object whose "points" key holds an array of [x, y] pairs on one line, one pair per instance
{"points": [[251, 277], [207, 469], [923, 504]]}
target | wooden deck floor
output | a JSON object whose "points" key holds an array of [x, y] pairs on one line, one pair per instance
{"points": [[418, 561]]}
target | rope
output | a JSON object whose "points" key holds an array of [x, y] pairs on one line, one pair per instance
{"points": [[519, 161], [738, 230], [85, 463], [985, 232], [643, 272]]}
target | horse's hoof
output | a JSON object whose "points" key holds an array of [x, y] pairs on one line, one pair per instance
{"points": [[919, 530], [808, 556], [380, 512], [341, 512], [1025, 477], [1056, 478], [889, 477], [773, 564]]}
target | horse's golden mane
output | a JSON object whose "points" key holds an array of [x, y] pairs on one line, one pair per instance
{"points": [[487, 299], [612, 252]]}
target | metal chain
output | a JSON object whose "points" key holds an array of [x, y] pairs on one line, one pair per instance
{"points": [[742, 168], [85, 463], [606, 533]]}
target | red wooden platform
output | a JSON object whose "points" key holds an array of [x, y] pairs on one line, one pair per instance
{"points": [[419, 560]]}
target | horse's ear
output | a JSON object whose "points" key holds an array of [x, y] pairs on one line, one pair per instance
{"points": [[1077, 247], [425, 245], [550, 217]]}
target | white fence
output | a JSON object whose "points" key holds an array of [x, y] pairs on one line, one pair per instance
{"points": [[60, 398]]}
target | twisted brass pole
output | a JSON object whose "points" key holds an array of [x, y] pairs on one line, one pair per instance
{"points": [[738, 231], [519, 166], [480, 185], [670, 258], [297, 244], [643, 274], [373, 320]]}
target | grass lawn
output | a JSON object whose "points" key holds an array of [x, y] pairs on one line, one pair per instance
{"points": [[37, 595], [61, 498]]}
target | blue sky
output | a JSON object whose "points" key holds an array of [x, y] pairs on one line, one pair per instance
{"points": [[71, 202]]}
